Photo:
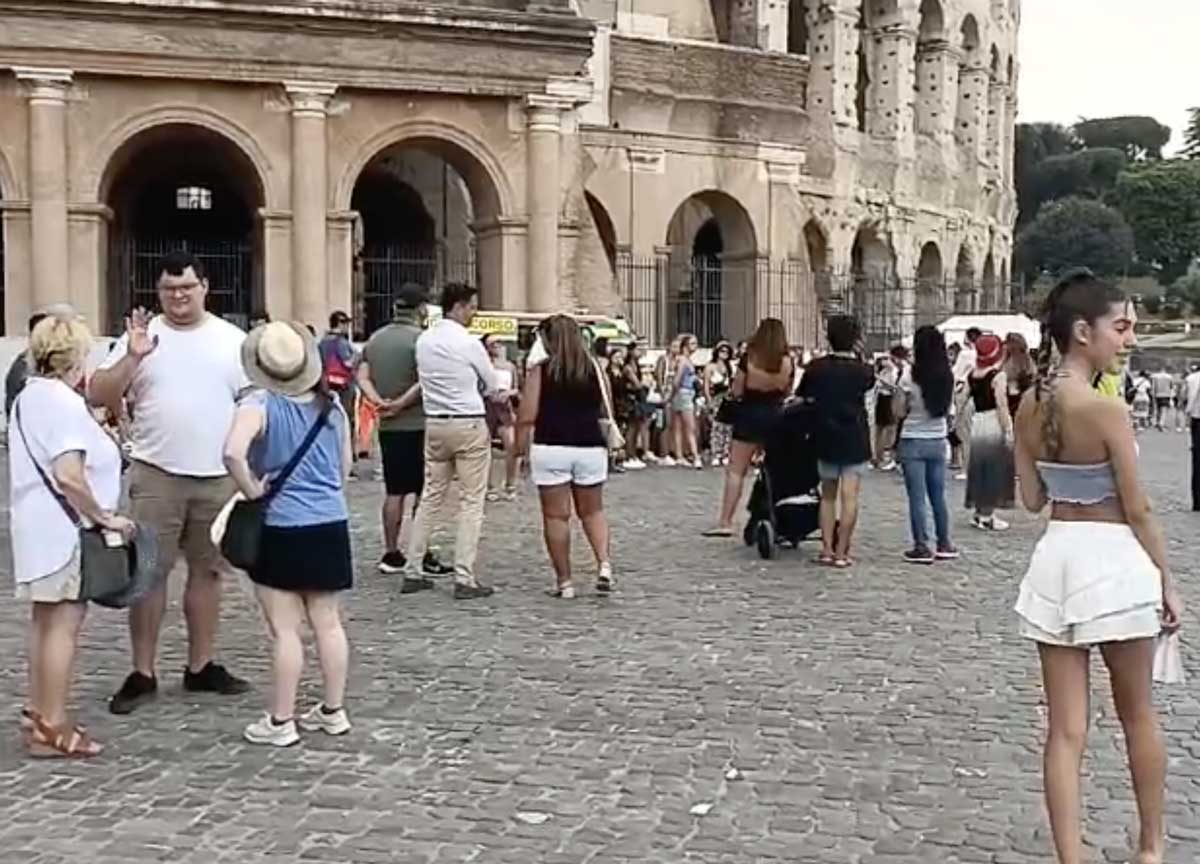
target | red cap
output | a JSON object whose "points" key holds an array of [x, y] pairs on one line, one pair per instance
{"points": [[988, 350]]}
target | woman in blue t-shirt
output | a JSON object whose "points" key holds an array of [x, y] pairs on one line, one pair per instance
{"points": [[304, 554]]}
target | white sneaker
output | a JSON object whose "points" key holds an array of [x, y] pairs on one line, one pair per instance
{"points": [[651, 459], [634, 464], [961, 475], [604, 579], [698, 463], [989, 523], [266, 731], [317, 720], [667, 462]]}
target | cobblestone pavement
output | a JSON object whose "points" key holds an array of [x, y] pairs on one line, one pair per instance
{"points": [[883, 715]]}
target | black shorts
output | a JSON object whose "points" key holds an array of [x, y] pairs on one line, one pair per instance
{"points": [[307, 558], [403, 452]]}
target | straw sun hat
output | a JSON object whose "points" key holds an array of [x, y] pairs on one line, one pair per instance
{"points": [[282, 357]]}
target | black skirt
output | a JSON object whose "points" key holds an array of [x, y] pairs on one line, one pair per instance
{"points": [[753, 420], [306, 558]]}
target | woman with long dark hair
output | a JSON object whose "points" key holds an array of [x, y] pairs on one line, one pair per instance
{"points": [[718, 376], [923, 404], [559, 430], [762, 382], [990, 469], [1099, 575], [1019, 369]]}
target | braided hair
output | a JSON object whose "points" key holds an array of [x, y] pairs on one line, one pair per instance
{"points": [[1079, 295]]}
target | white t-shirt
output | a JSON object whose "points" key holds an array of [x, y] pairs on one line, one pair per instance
{"points": [[183, 396], [55, 420]]}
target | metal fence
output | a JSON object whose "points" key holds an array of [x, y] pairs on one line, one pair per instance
{"points": [[383, 270], [664, 296], [133, 270]]}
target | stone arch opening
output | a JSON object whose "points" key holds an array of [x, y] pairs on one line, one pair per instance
{"points": [[605, 231], [991, 293], [428, 213], [183, 187], [711, 292], [798, 35], [965, 298], [874, 296], [932, 47], [816, 246], [930, 285]]}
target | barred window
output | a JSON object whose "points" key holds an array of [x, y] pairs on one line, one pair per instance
{"points": [[193, 198]]}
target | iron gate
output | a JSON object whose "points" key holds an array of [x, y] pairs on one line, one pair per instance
{"points": [[383, 270], [229, 266]]}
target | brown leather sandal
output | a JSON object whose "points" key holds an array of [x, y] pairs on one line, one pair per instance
{"points": [[64, 742]]}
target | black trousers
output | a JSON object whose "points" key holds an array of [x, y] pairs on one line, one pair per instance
{"points": [[1195, 464]]}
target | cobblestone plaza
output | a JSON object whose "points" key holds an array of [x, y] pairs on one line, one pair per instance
{"points": [[718, 708]]}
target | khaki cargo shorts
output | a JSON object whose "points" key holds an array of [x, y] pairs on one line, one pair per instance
{"points": [[181, 511]]}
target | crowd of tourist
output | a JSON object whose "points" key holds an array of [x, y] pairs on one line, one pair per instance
{"points": [[223, 436]]}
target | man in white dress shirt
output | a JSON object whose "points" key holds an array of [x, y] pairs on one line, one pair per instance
{"points": [[456, 376]]}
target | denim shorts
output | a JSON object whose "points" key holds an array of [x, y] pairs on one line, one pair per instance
{"points": [[829, 471]]}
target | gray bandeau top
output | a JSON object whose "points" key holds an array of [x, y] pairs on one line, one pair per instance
{"points": [[1078, 484]]}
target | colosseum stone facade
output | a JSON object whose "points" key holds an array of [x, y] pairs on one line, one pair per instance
{"points": [[691, 164]]}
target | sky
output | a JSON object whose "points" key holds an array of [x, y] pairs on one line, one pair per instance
{"points": [[1103, 58]]}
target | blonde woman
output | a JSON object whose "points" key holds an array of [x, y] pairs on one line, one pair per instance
{"points": [[683, 404], [664, 377], [55, 440]]}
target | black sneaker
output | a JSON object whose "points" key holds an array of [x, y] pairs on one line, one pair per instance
{"points": [[472, 592], [431, 566], [919, 555], [137, 690], [392, 562], [946, 553], [412, 586], [214, 678]]}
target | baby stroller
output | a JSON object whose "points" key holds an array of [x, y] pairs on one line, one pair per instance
{"points": [[785, 501]]}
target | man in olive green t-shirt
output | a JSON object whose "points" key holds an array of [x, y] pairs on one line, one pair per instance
{"points": [[387, 376]]}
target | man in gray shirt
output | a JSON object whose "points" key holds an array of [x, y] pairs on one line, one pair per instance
{"points": [[387, 376]]}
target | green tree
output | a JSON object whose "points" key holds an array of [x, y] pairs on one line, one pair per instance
{"points": [[1191, 137], [1074, 232], [1186, 290], [1161, 203], [1088, 173], [1140, 138], [1034, 144]]}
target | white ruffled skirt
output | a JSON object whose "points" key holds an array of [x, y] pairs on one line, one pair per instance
{"points": [[1090, 583]]}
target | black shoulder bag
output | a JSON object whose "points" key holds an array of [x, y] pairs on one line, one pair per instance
{"points": [[106, 572], [243, 533]]}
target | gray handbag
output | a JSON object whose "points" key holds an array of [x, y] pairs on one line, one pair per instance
{"points": [[113, 576]]}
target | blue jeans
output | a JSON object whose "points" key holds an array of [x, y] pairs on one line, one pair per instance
{"points": [[924, 463]]}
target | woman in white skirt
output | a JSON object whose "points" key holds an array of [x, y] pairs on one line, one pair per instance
{"points": [[1099, 575], [990, 470]]}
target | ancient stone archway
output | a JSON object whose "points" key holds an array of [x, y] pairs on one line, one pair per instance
{"points": [[181, 186], [874, 294], [931, 301], [428, 212], [965, 297], [605, 232], [798, 35], [713, 269], [991, 294]]}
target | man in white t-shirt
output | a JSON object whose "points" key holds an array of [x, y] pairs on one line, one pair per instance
{"points": [[180, 374]]}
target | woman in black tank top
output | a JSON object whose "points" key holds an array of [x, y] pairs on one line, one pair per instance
{"points": [[991, 471]]}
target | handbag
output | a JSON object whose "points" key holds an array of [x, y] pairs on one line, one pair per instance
{"points": [[727, 411], [243, 531], [106, 571], [613, 439]]}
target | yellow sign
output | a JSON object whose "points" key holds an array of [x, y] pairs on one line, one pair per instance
{"points": [[493, 325]]}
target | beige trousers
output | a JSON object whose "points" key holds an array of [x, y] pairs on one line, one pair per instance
{"points": [[453, 448]]}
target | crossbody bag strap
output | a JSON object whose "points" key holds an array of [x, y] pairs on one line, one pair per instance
{"points": [[600, 376], [305, 445], [54, 493]]}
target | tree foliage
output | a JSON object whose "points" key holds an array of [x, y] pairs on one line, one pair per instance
{"points": [[1088, 173], [1191, 137], [1185, 291], [1074, 232], [1034, 144], [1139, 138], [1161, 203]]}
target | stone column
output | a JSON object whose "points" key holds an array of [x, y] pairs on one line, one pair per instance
{"points": [[310, 201], [973, 81], [47, 92], [834, 72], [997, 94], [544, 192], [890, 114], [937, 89], [1010, 135]]}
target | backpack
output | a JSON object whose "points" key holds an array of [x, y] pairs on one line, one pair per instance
{"points": [[338, 375]]}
